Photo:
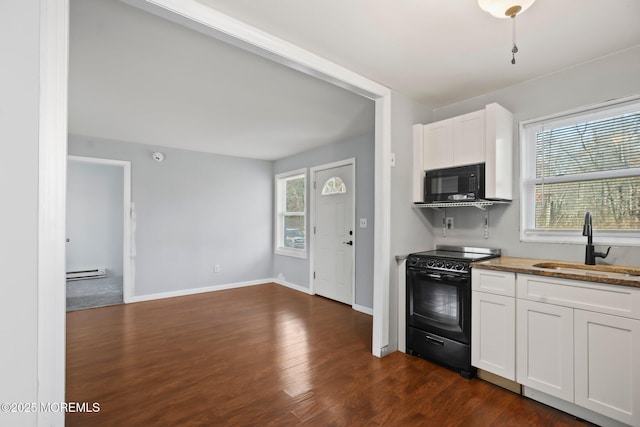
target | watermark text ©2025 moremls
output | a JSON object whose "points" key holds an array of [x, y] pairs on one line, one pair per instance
{"points": [[67, 407]]}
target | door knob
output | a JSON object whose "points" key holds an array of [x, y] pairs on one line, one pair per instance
{"points": [[350, 243]]}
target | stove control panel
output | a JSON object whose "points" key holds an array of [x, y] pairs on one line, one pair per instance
{"points": [[439, 264]]}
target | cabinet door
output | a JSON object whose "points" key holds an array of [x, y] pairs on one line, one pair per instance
{"points": [[607, 365], [438, 145], [544, 348], [469, 138], [493, 345]]}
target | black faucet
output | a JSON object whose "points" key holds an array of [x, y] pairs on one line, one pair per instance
{"points": [[590, 254]]}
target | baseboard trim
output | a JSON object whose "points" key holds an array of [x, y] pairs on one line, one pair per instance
{"points": [[500, 381], [571, 408], [193, 291], [292, 286], [363, 309]]}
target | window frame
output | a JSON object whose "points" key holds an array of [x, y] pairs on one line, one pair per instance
{"points": [[280, 212], [527, 129]]}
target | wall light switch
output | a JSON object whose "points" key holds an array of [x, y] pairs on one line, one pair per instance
{"points": [[363, 222], [216, 268]]}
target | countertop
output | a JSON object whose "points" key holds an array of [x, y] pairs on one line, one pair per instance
{"points": [[611, 274]]}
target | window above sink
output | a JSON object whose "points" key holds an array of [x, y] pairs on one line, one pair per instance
{"points": [[583, 160]]}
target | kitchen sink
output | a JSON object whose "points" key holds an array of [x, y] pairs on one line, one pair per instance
{"points": [[596, 270]]}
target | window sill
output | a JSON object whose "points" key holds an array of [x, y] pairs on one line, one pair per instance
{"points": [[295, 253], [600, 238]]}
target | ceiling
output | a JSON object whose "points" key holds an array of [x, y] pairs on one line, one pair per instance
{"points": [[139, 78], [443, 51], [136, 77]]}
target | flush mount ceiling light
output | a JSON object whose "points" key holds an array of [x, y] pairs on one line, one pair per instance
{"points": [[506, 9]]}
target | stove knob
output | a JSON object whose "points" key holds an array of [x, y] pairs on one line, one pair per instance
{"points": [[459, 266], [413, 261], [448, 266], [439, 264], [431, 263]]}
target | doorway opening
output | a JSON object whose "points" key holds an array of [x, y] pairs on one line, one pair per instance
{"points": [[54, 27], [98, 223]]}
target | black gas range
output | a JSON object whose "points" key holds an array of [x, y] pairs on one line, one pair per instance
{"points": [[439, 304]]}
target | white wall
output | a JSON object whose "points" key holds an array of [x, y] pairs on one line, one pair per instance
{"points": [[19, 122], [410, 230], [296, 270], [612, 77], [95, 197], [194, 210]]}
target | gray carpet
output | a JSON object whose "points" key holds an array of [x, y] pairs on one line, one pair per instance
{"points": [[83, 294]]}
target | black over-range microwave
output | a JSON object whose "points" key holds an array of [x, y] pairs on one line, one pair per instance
{"points": [[457, 184]]}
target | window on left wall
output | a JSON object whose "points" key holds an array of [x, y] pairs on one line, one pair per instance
{"points": [[290, 227]]}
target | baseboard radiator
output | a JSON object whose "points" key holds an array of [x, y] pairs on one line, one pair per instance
{"points": [[96, 273]]}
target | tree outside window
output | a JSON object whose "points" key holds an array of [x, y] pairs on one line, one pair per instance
{"points": [[290, 215]]}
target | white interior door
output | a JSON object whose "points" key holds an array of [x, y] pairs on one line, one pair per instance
{"points": [[334, 238]]}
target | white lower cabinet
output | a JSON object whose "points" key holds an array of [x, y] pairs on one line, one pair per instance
{"points": [[573, 344], [493, 337], [580, 342], [545, 348], [607, 365], [493, 322]]}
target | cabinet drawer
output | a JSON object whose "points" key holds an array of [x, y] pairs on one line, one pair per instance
{"points": [[493, 282], [610, 299]]}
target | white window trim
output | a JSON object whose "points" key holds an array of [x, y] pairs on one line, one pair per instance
{"points": [[527, 199], [278, 226]]}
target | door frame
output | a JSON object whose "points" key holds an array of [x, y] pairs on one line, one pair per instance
{"points": [[312, 219], [128, 279]]}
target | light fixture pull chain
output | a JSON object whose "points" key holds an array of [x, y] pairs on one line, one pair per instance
{"points": [[514, 50]]}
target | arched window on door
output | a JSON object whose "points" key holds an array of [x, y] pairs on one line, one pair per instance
{"points": [[334, 185]]}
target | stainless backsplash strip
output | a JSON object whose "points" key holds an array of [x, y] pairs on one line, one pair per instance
{"points": [[488, 251]]}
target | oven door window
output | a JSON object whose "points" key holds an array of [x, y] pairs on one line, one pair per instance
{"points": [[438, 306]]}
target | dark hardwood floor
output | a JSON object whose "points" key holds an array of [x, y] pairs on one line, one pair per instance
{"points": [[266, 356]]}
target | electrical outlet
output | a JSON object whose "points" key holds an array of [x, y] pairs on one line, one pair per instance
{"points": [[216, 268], [363, 222], [449, 222]]}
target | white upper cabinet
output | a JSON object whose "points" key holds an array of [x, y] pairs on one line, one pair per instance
{"points": [[484, 136], [438, 145], [469, 139], [455, 142]]}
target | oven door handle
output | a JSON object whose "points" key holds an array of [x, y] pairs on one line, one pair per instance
{"points": [[447, 277]]}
